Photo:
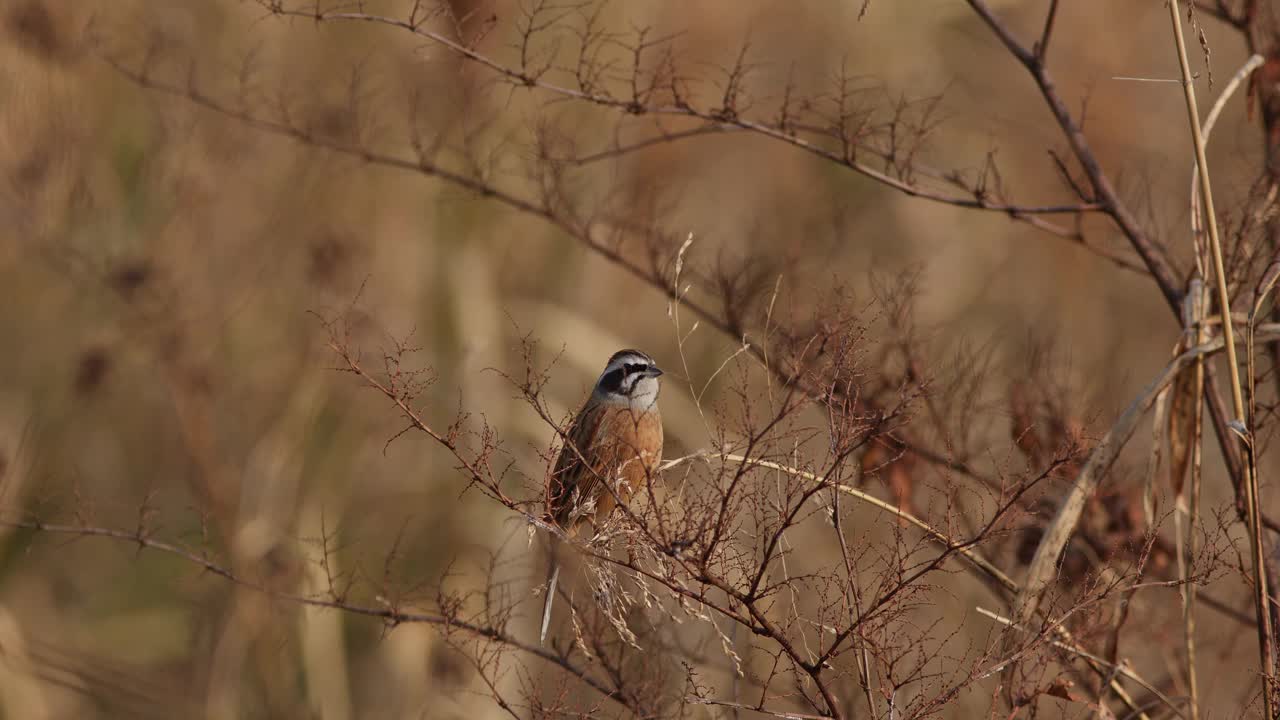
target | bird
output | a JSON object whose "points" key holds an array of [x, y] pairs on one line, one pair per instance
{"points": [[612, 448]]}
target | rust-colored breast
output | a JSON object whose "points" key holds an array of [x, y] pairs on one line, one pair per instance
{"points": [[620, 447]]}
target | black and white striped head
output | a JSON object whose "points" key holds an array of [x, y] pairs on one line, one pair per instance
{"points": [[629, 378]]}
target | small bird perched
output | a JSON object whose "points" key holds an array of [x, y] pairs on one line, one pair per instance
{"points": [[612, 448]]}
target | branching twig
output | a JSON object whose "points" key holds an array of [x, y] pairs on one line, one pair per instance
{"points": [[391, 615]]}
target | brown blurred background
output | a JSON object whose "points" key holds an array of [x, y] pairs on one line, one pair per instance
{"points": [[160, 264]]}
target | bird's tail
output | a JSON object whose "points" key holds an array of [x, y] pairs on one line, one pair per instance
{"points": [[553, 574]]}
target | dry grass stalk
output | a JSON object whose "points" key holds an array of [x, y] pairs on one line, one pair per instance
{"points": [[1249, 478]]}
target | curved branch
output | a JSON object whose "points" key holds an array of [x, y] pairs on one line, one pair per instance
{"points": [[1043, 567], [723, 117], [1153, 256]]}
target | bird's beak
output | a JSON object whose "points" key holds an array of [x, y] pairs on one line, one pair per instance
{"points": [[652, 371]]}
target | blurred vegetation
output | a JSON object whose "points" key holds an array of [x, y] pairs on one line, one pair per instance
{"points": [[163, 267]]}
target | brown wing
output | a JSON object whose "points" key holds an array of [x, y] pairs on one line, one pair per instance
{"points": [[620, 446], [569, 467]]}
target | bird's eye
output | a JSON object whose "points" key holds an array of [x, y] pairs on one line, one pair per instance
{"points": [[634, 367], [613, 379]]}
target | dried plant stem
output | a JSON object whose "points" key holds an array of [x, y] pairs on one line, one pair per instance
{"points": [[863, 657], [981, 563], [1193, 523], [1197, 224], [736, 706], [1186, 537], [1114, 668], [1043, 568], [1186, 541], [1248, 469]]}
